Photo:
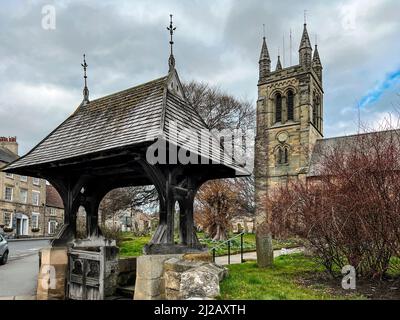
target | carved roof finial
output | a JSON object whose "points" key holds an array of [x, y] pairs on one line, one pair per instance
{"points": [[171, 29], [85, 89]]}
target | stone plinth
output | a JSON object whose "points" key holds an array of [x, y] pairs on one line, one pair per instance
{"points": [[150, 284], [52, 274]]}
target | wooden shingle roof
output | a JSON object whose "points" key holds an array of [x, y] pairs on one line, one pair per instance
{"points": [[124, 118], [134, 116]]}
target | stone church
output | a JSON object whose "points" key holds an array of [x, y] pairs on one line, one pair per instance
{"points": [[289, 118]]}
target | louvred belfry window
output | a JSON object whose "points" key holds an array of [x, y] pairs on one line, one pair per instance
{"points": [[278, 108]]}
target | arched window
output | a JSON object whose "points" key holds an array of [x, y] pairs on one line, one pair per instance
{"points": [[286, 156], [280, 156], [315, 112], [319, 114], [283, 155], [278, 108], [290, 105]]}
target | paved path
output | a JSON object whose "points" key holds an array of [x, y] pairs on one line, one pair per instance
{"points": [[235, 259], [19, 276]]}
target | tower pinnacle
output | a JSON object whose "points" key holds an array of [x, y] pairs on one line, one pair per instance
{"points": [[279, 64], [305, 50], [265, 60]]}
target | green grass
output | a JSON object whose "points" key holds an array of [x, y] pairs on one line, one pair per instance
{"points": [[248, 282], [131, 246]]}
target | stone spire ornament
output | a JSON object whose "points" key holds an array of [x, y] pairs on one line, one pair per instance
{"points": [[279, 64], [85, 89], [171, 29], [265, 60], [305, 50], [316, 63]]}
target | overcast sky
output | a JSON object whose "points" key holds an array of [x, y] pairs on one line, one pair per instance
{"points": [[217, 41]]}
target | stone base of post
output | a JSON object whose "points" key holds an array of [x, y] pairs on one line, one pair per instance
{"points": [[53, 265], [150, 284]]}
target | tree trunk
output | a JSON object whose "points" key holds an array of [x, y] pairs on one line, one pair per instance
{"points": [[220, 235], [265, 251]]}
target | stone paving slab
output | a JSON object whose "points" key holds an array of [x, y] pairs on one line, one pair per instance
{"points": [[18, 298], [236, 258]]}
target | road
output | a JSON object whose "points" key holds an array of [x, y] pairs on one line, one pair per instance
{"points": [[19, 276]]}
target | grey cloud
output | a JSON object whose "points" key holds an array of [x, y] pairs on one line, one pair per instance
{"points": [[216, 41]]}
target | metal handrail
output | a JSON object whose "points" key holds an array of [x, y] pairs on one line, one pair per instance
{"points": [[228, 242]]}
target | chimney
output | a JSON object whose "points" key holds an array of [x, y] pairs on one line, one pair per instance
{"points": [[9, 143]]}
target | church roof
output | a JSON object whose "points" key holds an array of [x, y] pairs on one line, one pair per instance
{"points": [[7, 156], [324, 146], [134, 116]]}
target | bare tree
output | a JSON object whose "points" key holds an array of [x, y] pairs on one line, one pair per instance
{"points": [[218, 109], [221, 201], [132, 198]]}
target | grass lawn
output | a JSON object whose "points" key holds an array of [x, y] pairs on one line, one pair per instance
{"points": [[282, 282], [131, 246]]}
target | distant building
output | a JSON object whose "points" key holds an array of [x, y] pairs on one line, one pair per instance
{"points": [[54, 218], [23, 207], [138, 221]]}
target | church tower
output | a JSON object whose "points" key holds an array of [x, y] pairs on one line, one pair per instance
{"points": [[289, 118]]}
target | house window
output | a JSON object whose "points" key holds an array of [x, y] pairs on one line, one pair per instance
{"points": [[278, 108], [35, 220], [24, 178], [53, 211], [36, 181], [52, 227], [290, 105], [8, 194], [35, 198], [23, 196], [10, 175], [7, 219]]}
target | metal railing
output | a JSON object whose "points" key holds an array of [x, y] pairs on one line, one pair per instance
{"points": [[229, 245]]}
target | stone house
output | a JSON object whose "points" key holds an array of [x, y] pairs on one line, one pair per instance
{"points": [[138, 221], [23, 207]]}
